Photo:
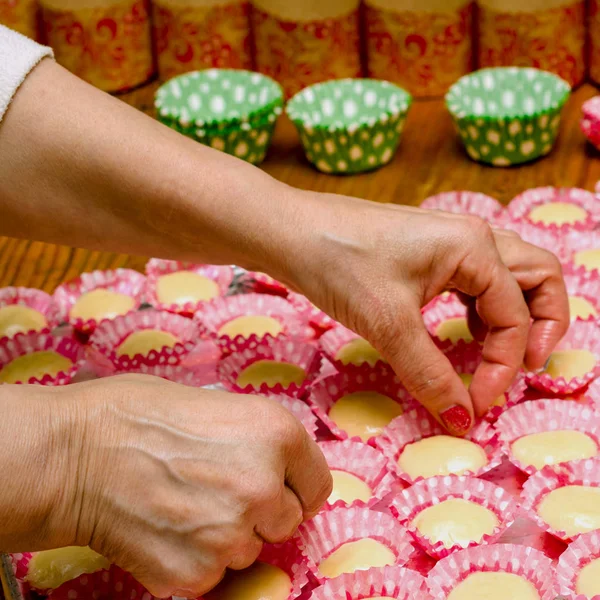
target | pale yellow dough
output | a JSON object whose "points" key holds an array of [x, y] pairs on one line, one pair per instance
{"points": [[590, 259], [570, 364], [441, 455], [558, 213], [101, 304], [49, 569], [454, 330], [467, 379], [251, 325], [271, 372], [144, 341], [348, 487], [581, 308], [358, 352], [36, 364], [456, 521], [364, 414], [573, 509], [260, 581], [357, 556], [20, 319], [495, 585], [553, 447], [588, 580], [185, 286]]}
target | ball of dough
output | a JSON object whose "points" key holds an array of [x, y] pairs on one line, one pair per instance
{"points": [[271, 373], [185, 286], [144, 341], [573, 509], [588, 580], [494, 586], [454, 330], [358, 352], [348, 488], [101, 304], [357, 556], [15, 318], [36, 364], [247, 326], [558, 213]]}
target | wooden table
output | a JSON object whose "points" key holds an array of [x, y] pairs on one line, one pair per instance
{"points": [[430, 160]]}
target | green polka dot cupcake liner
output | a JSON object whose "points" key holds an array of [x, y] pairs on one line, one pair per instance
{"points": [[350, 125], [509, 115]]}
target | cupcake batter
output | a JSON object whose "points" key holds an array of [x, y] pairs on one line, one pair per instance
{"points": [[144, 341], [588, 580], [590, 259], [570, 364], [467, 379], [358, 352], [185, 286], [553, 447], [271, 372], [496, 585], [260, 581], [558, 213], [16, 318], [455, 521], [357, 556], [573, 509], [348, 487], [581, 308], [101, 304], [36, 364], [257, 325], [454, 330], [441, 455], [364, 414]]}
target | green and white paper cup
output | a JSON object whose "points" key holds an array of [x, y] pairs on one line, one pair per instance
{"points": [[508, 116], [350, 125], [230, 110]]}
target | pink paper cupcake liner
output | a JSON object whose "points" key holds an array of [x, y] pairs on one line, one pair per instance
{"points": [[416, 425], [538, 486], [334, 340], [351, 379], [410, 502], [591, 395], [301, 411], [585, 285], [174, 373], [465, 203], [261, 283], [590, 120], [439, 310], [156, 268], [545, 415], [392, 582], [315, 316], [32, 298], [363, 461], [295, 352], [582, 335], [222, 310], [27, 343], [576, 242], [325, 533], [532, 565], [584, 550], [122, 281], [543, 238]]}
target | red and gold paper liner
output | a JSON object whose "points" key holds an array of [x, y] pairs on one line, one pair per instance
{"points": [[389, 582], [191, 36], [538, 486], [590, 120], [531, 564], [329, 530], [585, 285], [27, 343], [363, 461], [156, 268], [261, 283], [584, 550], [300, 410], [582, 335], [21, 16], [576, 242], [381, 379], [441, 309], [122, 281], [424, 51], [539, 416], [543, 238], [550, 38], [106, 43], [465, 203], [410, 502], [334, 340], [291, 351], [319, 320], [31, 298], [416, 425]]}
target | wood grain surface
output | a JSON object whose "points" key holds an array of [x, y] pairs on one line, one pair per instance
{"points": [[430, 160]]}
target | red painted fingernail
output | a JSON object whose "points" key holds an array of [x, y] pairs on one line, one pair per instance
{"points": [[456, 419]]}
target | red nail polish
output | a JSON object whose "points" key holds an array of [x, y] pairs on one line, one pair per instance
{"points": [[456, 419]]}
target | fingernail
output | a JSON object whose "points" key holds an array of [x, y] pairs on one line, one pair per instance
{"points": [[456, 419]]}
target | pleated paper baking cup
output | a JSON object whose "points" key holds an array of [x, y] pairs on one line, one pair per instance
{"points": [[12, 298], [350, 125], [261, 283], [584, 295], [304, 357], [320, 537], [337, 339], [507, 116], [543, 238], [542, 416], [590, 120], [175, 373], [318, 319], [445, 318], [529, 564], [408, 504], [582, 253], [300, 410], [577, 568], [465, 203]]}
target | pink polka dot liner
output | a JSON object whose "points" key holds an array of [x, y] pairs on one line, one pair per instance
{"points": [[261, 283], [409, 503], [585, 285], [328, 531], [300, 410], [590, 120], [319, 320], [156, 268], [34, 299], [579, 554], [440, 310], [362, 461], [530, 564], [334, 340], [465, 203], [576, 242], [543, 238]]}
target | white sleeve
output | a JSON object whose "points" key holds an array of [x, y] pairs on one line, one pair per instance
{"points": [[18, 56]]}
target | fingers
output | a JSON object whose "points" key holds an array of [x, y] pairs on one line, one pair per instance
{"points": [[282, 520], [248, 553]]}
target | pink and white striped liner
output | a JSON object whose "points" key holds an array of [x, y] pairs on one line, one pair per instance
{"points": [[465, 203], [576, 242], [300, 410], [334, 340], [584, 550], [585, 285], [315, 316], [34, 299]]}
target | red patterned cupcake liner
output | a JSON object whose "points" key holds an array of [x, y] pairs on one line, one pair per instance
{"points": [[465, 203], [300, 410], [590, 120], [587, 286], [542, 238], [539, 416], [122, 281], [531, 564], [261, 283], [582, 335], [325, 533], [315, 316], [34, 299], [411, 502], [27, 343], [156, 268], [389, 582], [417, 425], [291, 351], [334, 340], [352, 379], [576, 242], [578, 555]]}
